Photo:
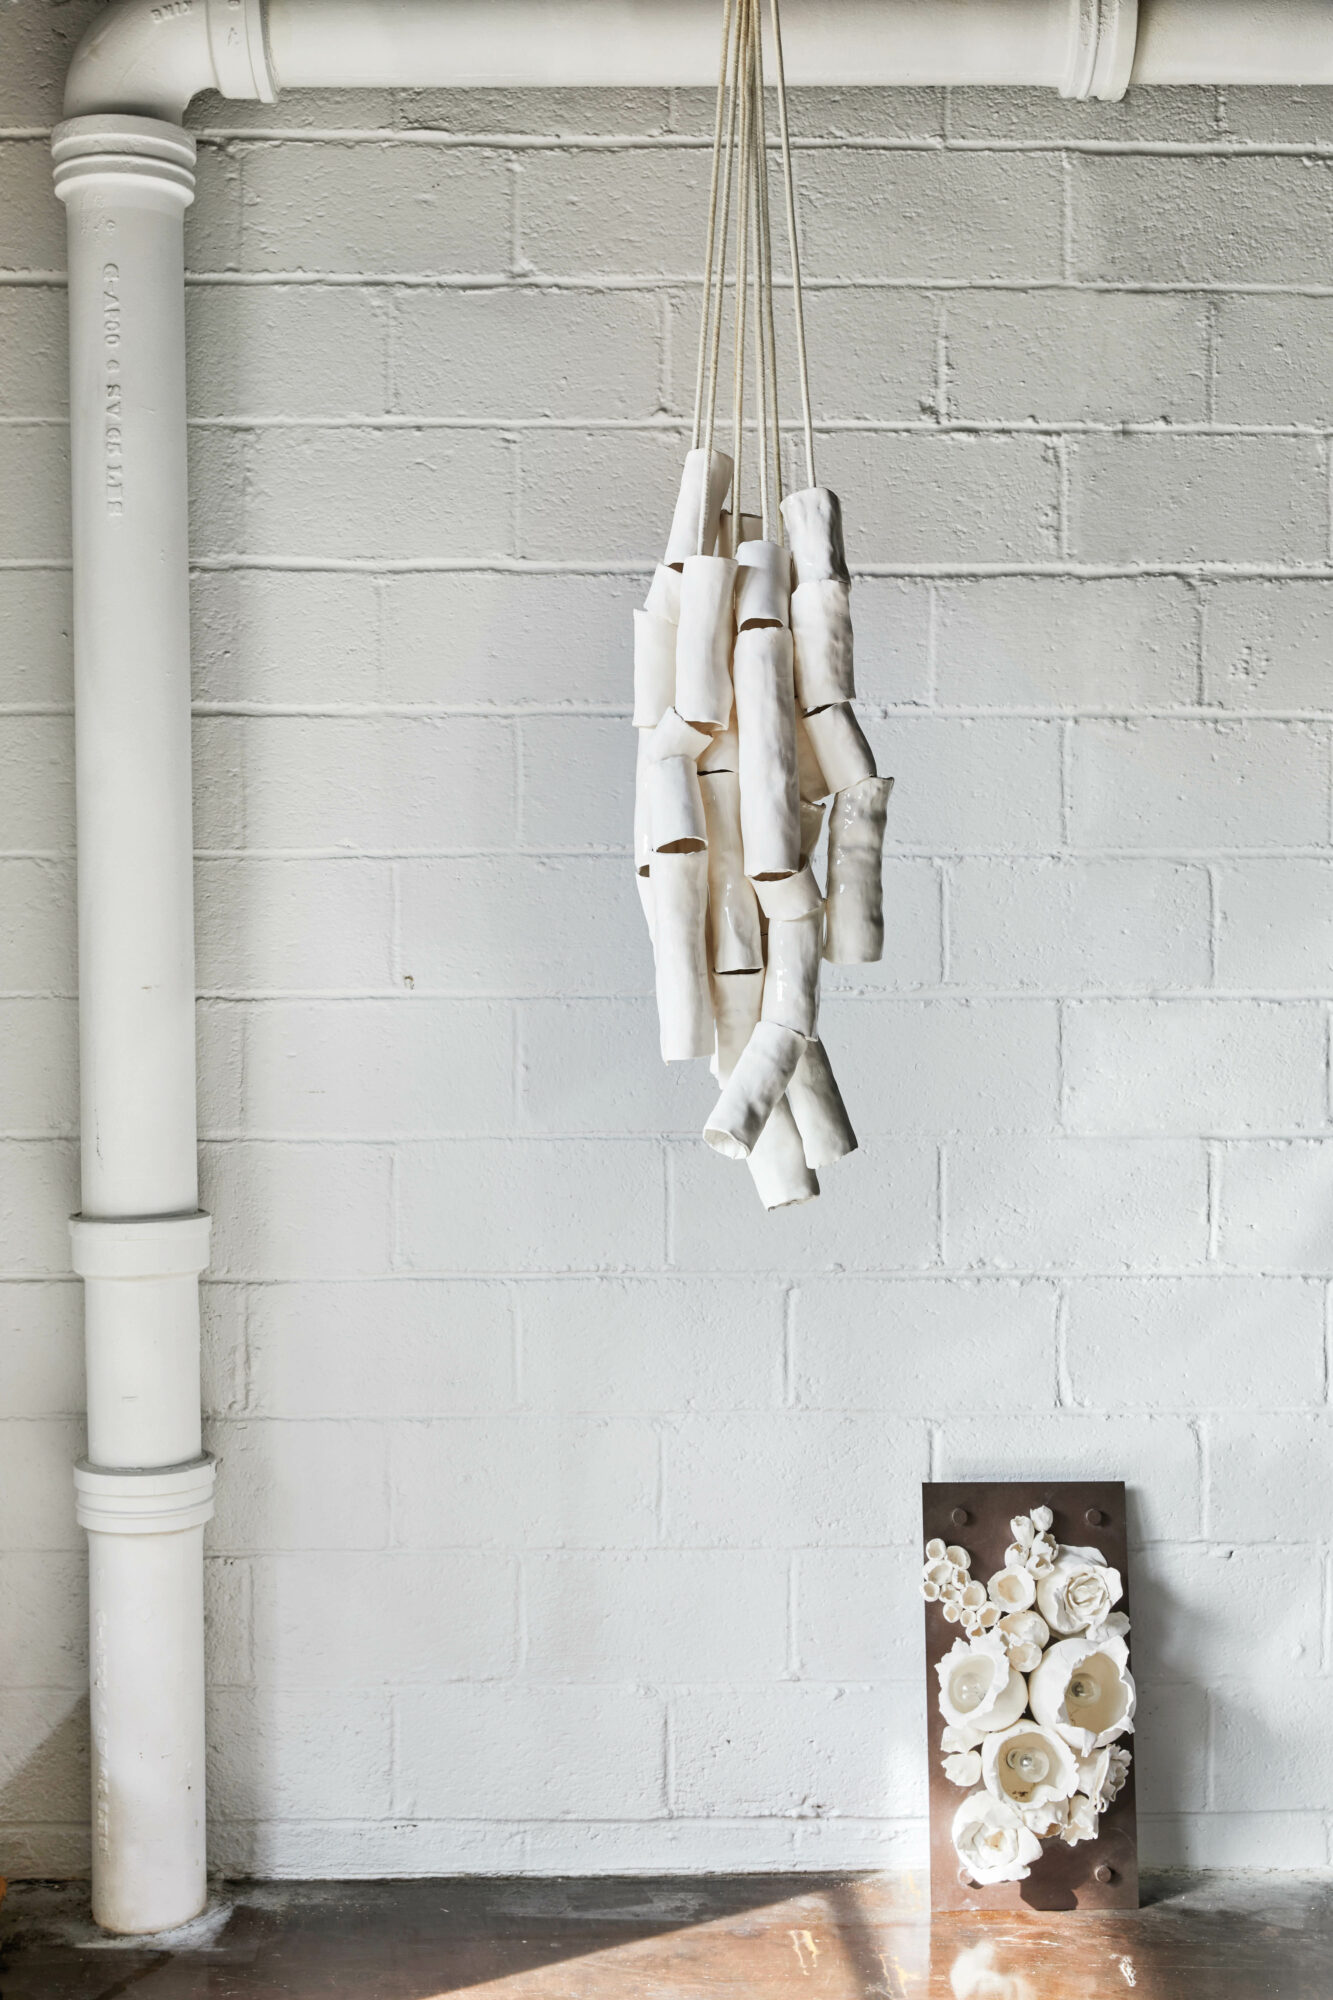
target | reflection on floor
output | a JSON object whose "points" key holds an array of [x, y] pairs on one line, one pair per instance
{"points": [[755, 1937]]}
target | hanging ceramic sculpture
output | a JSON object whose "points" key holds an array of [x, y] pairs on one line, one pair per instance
{"points": [[743, 691]]}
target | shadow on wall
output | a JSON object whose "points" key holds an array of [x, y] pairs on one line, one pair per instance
{"points": [[44, 1781]]}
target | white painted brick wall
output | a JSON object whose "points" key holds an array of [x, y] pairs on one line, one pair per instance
{"points": [[569, 1505]]}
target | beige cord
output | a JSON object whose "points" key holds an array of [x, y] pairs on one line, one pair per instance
{"points": [[725, 226], [797, 296], [742, 285], [707, 307], [766, 236]]}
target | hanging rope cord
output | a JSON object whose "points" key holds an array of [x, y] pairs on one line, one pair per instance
{"points": [[798, 297], [768, 414], [719, 225], [742, 283]]}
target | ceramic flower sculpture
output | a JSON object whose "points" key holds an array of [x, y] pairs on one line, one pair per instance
{"points": [[1036, 1695]]}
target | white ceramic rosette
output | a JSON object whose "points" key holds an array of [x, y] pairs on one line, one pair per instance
{"points": [[1036, 1694], [743, 701]]}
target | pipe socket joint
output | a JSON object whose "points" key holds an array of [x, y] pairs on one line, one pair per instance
{"points": [[161, 1500], [1099, 53], [153, 1246], [114, 150]]}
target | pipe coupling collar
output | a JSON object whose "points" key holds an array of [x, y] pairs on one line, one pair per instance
{"points": [[238, 50], [150, 1246], [157, 1500], [1099, 53], [114, 146]]}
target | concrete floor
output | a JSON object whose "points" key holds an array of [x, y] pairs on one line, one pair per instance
{"points": [[758, 1937]]}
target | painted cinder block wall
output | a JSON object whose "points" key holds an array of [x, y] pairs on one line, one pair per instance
{"points": [[568, 1506]]}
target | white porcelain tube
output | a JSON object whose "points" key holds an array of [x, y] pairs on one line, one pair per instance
{"points": [[139, 1243]]}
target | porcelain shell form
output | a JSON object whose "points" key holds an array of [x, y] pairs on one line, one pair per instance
{"points": [[817, 1106], [733, 910], [844, 756], [778, 1166], [680, 908], [684, 540], [813, 520], [766, 720], [791, 980], [1097, 1663], [755, 1085], [978, 1687], [821, 624], [1028, 1765], [763, 584], [991, 1841], [704, 640], [855, 890]]}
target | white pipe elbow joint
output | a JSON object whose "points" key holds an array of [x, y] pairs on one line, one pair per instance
{"points": [[150, 57]]}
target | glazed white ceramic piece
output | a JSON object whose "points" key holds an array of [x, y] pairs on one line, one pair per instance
{"points": [[979, 1690], [812, 825], [1081, 1590], [680, 911], [766, 721], [703, 640], [676, 807], [844, 756], [821, 624], [759, 1079], [737, 997], [1084, 1691], [813, 519], [663, 599], [788, 897], [855, 893], [683, 540], [728, 541], [733, 913], [674, 737], [1029, 1766], [811, 781], [777, 1162], [791, 977], [817, 1106], [643, 882], [643, 812], [992, 1842], [654, 668], [723, 752], [763, 584]]}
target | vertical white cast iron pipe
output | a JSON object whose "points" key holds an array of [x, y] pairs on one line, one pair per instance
{"points": [[145, 1490]]}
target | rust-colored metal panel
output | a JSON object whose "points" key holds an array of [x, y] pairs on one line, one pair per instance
{"points": [[1101, 1874]]}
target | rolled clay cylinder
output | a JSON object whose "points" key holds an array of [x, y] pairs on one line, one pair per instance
{"points": [[674, 737], [813, 519], [763, 585], [810, 779], [643, 812], [855, 898], [683, 540], [766, 722], [723, 752], [663, 599], [703, 640], [654, 668], [750, 526], [676, 807], [737, 997], [821, 626], [643, 882], [756, 1084], [777, 1162], [812, 825], [790, 897], [733, 913], [817, 1106], [791, 978], [844, 756], [680, 910]]}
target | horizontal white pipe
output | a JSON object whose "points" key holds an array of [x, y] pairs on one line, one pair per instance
{"points": [[153, 56]]}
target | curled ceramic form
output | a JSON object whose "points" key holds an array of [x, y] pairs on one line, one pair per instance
{"points": [[1013, 1589], [979, 1689], [763, 584], [1080, 1591], [1102, 1776], [811, 781], [991, 1841], [663, 599], [673, 737], [733, 912], [962, 1767], [784, 898], [766, 721], [778, 1166], [676, 807], [759, 1079], [703, 640], [817, 1106], [1083, 1690], [855, 891], [821, 623], [680, 911], [791, 978], [644, 884], [813, 520], [683, 540], [643, 811], [812, 824], [844, 756], [737, 997], [1028, 1765], [1024, 1633], [723, 752], [654, 668]]}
